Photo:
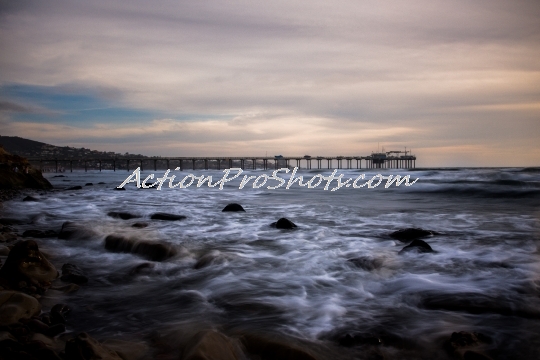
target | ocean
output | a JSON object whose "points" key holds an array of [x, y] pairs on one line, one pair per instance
{"points": [[338, 281]]}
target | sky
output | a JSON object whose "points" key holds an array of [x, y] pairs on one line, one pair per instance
{"points": [[457, 82]]}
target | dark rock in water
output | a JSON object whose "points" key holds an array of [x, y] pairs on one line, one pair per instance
{"points": [[72, 273], [72, 231], [59, 176], [121, 189], [142, 268], [154, 251], [272, 349], [84, 347], [30, 198], [206, 260], [140, 225], [233, 207], [211, 344], [477, 303], [464, 339], [89, 184], [411, 234], [122, 215], [419, 246], [367, 263], [165, 216], [358, 339], [54, 330], [473, 355], [9, 221], [25, 264], [40, 234], [101, 183], [59, 313], [75, 188], [283, 223]]}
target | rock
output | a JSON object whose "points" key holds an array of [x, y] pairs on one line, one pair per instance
{"points": [[473, 355], [30, 198], [411, 234], [349, 340], [72, 231], [139, 225], [120, 189], [165, 216], [101, 183], [272, 349], [206, 260], [127, 350], [40, 234], [88, 184], [4, 250], [122, 215], [144, 267], [463, 339], [58, 314], [211, 345], [66, 289], [15, 305], [233, 207], [154, 251], [78, 187], [419, 246], [71, 273], [9, 221], [59, 176], [25, 263], [366, 263], [283, 223], [84, 347]]}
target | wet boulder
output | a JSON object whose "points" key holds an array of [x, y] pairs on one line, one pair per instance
{"points": [[78, 187], [73, 231], [211, 345], [411, 234], [274, 349], [207, 259], [71, 273], [84, 347], [26, 265], [122, 215], [40, 234], [418, 246], [30, 198], [283, 223], [15, 306], [59, 313], [140, 225], [463, 342], [367, 263], [167, 217], [233, 207], [152, 250], [89, 184]]}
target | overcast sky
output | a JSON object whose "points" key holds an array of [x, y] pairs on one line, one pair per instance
{"points": [[456, 81]]}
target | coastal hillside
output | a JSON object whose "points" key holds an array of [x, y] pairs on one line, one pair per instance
{"points": [[35, 149], [17, 173]]}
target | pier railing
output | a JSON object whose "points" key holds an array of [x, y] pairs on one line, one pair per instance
{"points": [[218, 163]]}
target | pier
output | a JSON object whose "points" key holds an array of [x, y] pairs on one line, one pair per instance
{"points": [[388, 160]]}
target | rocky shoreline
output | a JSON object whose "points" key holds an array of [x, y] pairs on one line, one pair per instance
{"points": [[36, 320]]}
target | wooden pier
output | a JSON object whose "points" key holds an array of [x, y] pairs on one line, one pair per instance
{"points": [[373, 161]]}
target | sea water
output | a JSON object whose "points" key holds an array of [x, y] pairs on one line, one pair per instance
{"points": [[302, 282]]}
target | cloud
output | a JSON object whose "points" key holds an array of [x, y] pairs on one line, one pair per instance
{"points": [[441, 70]]}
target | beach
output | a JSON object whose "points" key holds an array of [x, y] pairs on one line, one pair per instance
{"points": [[169, 272]]}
